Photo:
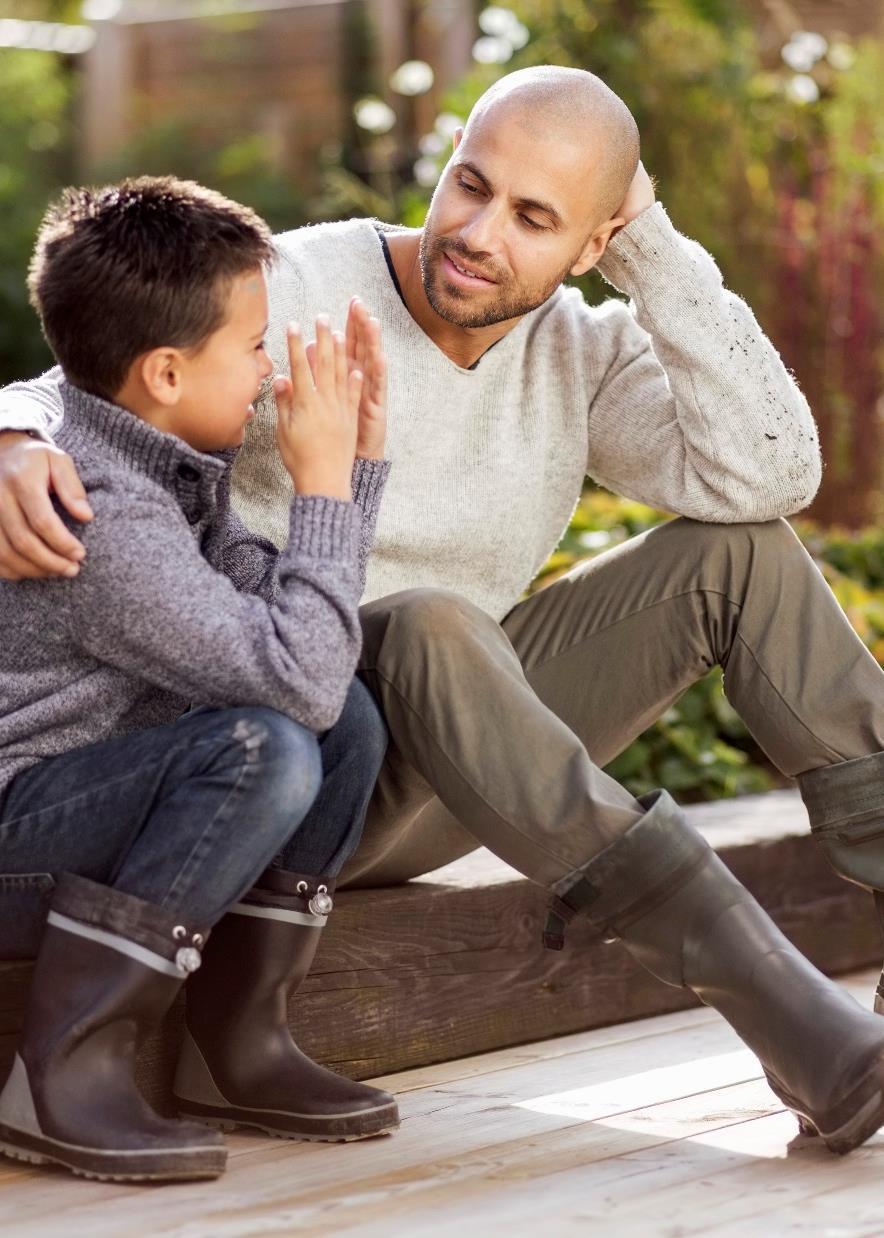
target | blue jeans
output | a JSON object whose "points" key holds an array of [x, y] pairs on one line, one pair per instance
{"points": [[187, 816]]}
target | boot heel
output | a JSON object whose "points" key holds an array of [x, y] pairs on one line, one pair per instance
{"points": [[805, 1126]]}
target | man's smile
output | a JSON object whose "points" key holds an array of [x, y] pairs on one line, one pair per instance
{"points": [[461, 273]]}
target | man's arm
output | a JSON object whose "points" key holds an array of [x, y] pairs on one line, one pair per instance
{"points": [[696, 413], [185, 628], [34, 542], [34, 405]]}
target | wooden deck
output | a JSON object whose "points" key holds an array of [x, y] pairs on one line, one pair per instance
{"points": [[657, 1127]]}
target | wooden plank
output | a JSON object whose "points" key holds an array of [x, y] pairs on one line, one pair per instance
{"points": [[595, 1134], [431, 972]]}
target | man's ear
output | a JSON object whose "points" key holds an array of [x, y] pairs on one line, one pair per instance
{"points": [[160, 372], [596, 245]]}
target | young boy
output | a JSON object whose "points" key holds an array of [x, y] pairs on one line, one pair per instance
{"points": [[146, 825]]}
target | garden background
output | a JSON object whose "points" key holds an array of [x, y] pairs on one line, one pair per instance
{"points": [[766, 136]]}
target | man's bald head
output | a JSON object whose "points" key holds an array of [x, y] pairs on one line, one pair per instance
{"points": [[575, 106]]}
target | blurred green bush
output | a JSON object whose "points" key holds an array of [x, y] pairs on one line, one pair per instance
{"points": [[700, 749]]}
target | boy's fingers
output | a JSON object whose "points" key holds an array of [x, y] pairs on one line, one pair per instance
{"points": [[311, 358], [355, 380], [340, 358], [302, 382], [351, 329], [68, 487], [324, 364], [282, 393]]}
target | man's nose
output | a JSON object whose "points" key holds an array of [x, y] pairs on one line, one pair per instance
{"points": [[481, 232]]}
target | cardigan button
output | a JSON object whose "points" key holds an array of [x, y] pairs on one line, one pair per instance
{"points": [[188, 473]]}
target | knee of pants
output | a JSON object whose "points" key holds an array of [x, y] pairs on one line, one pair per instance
{"points": [[418, 617], [286, 756], [361, 727], [710, 548]]}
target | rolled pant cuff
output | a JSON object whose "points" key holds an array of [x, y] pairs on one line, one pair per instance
{"points": [[631, 875], [844, 792], [124, 915]]}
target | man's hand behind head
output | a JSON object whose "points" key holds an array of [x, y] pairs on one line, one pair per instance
{"points": [[33, 539]]}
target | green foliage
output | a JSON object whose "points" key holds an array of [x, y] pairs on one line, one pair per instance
{"points": [[700, 749], [34, 95]]}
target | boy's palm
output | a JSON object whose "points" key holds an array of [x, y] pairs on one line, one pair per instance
{"points": [[318, 413]]}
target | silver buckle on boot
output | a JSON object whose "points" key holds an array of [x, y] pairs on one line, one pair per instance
{"points": [[321, 903], [187, 958]]}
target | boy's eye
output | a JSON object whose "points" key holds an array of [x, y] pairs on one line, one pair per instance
{"points": [[260, 347]]}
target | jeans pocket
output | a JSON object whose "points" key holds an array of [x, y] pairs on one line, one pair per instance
{"points": [[24, 902]]}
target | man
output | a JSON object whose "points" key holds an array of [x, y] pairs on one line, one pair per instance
{"points": [[506, 389]]}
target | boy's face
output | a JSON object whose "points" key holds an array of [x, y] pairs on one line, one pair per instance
{"points": [[219, 383]]}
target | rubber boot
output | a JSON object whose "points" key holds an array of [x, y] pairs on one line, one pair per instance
{"points": [[239, 1064], [663, 891], [108, 969], [845, 804]]}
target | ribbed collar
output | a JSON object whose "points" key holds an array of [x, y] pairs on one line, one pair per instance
{"points": [[99, 427]]}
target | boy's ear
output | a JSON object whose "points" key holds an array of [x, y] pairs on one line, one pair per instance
{"points": [[160, 372], [596, 245]]}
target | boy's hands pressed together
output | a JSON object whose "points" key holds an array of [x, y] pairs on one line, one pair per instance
{"points": [[365, 353], [318, 414]]}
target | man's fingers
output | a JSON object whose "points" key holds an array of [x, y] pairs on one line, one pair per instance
{"points": [[24, 554], [68, 487], [37, 524]]}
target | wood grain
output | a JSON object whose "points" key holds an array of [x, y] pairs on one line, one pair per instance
{"points": [[452, 965]]}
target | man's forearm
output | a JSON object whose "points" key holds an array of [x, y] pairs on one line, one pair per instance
{"points": [[34, 405], [708, 422]]}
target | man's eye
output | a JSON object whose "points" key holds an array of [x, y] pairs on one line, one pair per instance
{"points": [[473, 189], [529, 223]]}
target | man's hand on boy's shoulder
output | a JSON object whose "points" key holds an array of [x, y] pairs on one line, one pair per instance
{"points": [[34, 541]]}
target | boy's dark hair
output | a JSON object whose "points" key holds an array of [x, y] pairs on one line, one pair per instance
{"points": [[144, 264]]}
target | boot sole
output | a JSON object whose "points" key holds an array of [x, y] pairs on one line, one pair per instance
{"points": [[343, 1128], [864, 1105], [163, 1165]]}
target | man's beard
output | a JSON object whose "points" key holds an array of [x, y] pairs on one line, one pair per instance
{"points": [[454, 304]]}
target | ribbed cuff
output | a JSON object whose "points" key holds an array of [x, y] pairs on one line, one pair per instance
{"points": [[368, 480], [322, 528]]}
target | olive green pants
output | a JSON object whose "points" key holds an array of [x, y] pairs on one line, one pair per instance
{"points": [[498, 730]]}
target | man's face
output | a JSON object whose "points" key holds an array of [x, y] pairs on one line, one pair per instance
{"points": [[221, 380], [509, 218]]}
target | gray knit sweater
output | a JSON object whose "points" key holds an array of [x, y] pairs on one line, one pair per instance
{"points": [[677, 400], [177, 602]]}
